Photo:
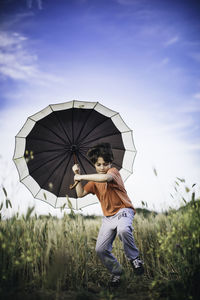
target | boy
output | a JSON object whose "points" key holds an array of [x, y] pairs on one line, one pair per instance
{"points": [[117, 208]]}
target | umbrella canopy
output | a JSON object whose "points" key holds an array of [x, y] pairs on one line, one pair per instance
{"points": [[49, 141]]}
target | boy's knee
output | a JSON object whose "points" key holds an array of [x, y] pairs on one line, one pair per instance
{"points": [[123, 231], [99, 250]]}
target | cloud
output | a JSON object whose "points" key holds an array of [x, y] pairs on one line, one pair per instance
{"points": [[129, 2], [197, 96], [171, 41], [195, 56], [164, 62], [175, 126], [16, 19], [18, 63], [10, 40], [164, 35], [194, 147], [192, 105], [31, 3], [15, 62]]}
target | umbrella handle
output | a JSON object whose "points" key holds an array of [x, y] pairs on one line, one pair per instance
{"points": [[72, 186]]}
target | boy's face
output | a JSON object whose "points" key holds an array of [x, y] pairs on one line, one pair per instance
{"points": [[101, 166]]}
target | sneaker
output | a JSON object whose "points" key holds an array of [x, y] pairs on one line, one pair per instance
{"points": [[137, 265], [115, 281]]}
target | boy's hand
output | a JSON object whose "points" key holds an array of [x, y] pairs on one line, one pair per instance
{"points": [[76, 169], [77, 177]]}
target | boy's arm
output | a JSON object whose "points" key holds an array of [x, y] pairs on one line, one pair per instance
{"points": [[94, 177], [90, 177], [79, 188]]}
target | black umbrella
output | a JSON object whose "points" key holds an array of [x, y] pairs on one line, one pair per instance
{"points": [[55, 138]]}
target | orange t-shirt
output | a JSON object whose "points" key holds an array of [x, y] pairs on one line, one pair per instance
{"points": [[112, 195]]}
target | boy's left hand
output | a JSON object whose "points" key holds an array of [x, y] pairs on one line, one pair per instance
{"points": [[76, 169]]}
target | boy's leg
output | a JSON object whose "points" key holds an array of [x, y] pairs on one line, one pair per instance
{"points": [[104, 243], [124, 231]]}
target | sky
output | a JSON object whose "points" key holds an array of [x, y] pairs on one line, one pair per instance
{"points": [[140, 58]]}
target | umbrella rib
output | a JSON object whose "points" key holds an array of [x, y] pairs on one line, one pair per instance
{"points": [[85, 157], [57, 166], [53, 132], [44, 163], [62, 126], [44, 140], [36, 196], [133, 160], [73, 125], [114, 163], [119, 149], [127, 177], [53, 150], [95, 202], [123, 149], [63, 175], [122, 168], [91, 111], [49, 150], [93, 129], [82, 166], [96, 139]]}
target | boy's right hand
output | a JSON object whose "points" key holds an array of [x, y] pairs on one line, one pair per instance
{"points": [[76, 169]]}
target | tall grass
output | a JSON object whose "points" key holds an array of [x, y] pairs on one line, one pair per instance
{"points": [[59, 254]]}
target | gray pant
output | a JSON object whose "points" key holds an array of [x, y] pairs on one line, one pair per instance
{"points": [[120, 224]]}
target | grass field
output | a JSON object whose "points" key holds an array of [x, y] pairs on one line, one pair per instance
{"points": [[49, 258]]}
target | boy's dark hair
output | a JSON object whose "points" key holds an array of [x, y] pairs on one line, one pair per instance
{"points": [[103, 150]]}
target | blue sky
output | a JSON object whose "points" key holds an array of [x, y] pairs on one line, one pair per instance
{"points": [[140, 58]]}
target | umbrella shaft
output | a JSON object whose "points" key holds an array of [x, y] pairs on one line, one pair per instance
{"points": [[75, 158]]}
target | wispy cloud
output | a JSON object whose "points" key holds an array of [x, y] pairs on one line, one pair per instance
{"points": [[7, 40], [192, 105], [164, 35], [164, 62], [30, 3], [195, 56], [176, 126], [197, 96], [17, 62], [129, 2], [193, 146], [16, 19], [171, 41]]}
